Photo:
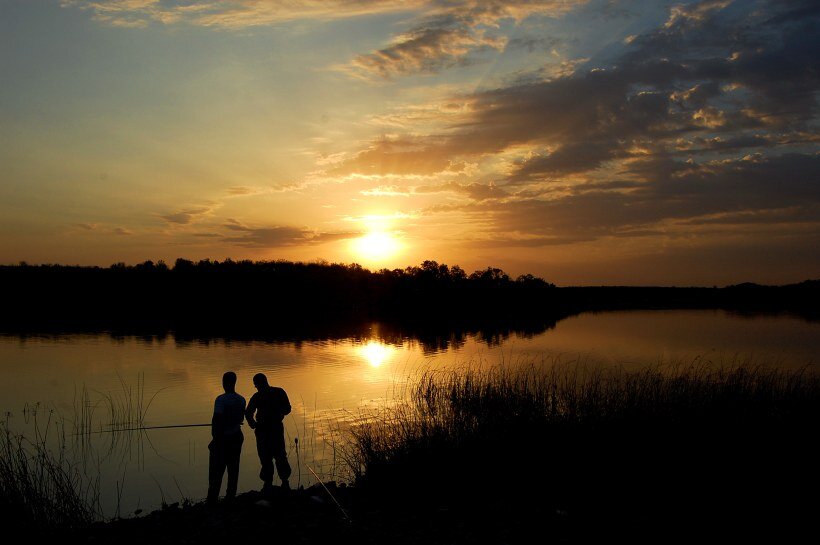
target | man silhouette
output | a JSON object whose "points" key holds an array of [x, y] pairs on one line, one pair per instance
{"points": [[226, 445], [270, 404]]}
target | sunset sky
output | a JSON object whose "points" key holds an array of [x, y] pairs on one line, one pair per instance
{"points": [[587, 142]]}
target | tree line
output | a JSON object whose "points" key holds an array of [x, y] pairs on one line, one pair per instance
{"points": [[260, 296], [246, 293]]}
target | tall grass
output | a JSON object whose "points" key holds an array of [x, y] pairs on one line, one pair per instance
{"points": [[127, 409], [40, 488], [50, 474], [664, 442]]}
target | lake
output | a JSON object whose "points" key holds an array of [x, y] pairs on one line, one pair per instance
{"points": [[331, 383]]}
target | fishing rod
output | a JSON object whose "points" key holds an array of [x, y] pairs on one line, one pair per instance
{"points": [[141, 428], [339, 505]]}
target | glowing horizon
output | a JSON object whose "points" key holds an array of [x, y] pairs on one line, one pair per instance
{"points": [[583, 141]]}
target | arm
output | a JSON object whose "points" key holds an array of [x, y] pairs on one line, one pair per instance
{"points": [[249, 412], [284, 404], [218, 420], [287, 403]]}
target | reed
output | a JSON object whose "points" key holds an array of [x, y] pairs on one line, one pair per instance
{"points": [[127, 408], [313, 446], [40, 488], [661, 441], [50, 472]]}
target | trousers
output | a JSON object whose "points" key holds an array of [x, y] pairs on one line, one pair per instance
{"points": [[224, 454], [270, 445]]}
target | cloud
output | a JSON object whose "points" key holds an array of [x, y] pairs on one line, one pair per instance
{"points": [[387, 191], [566, 159], [473, 191], [708, 120], [446, 33], [231, 14], [239, 191], [441, 43], [397, 156], [101, 229], [187, 216], [715, 78], [800, 214], [528, 241], [534, 43], [279, 236], [711, 119], [237, 14], [453, 33], [752, 189]]}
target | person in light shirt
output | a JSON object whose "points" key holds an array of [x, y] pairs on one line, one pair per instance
{"points": [[226, 444]]}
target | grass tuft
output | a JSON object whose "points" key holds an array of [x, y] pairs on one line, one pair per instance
{"points": [[40, 489], [664, 447]]}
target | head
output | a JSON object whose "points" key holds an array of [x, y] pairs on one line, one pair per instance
{"points": [[260, 381], [229, 381]]}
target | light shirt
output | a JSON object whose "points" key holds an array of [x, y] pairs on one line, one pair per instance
{"points": [[232, 407]]}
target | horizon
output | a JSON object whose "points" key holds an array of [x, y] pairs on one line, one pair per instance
{"points": [[586, 142], [377, 270]]}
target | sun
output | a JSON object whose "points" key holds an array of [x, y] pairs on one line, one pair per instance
{"points": [[376, 246]]}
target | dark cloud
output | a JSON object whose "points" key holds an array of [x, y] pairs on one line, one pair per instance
{"points": [[401, 156], [807, 213], [724, 144], [705, 71], [455, 33], [781, 188], [240, 190], [574, 157], [187, 216], [754, 44], [530, 242], [275, 237], [533, 43], [710, 118], [474, 191], [440, 43]]}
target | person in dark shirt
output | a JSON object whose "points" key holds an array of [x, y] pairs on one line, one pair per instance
{"points": [[270, 405], [226, 444]]}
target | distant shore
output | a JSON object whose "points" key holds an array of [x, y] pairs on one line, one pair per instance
{"points": [[252, 299]]}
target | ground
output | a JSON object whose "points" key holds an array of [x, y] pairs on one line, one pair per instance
{"points": [[313, 516]]}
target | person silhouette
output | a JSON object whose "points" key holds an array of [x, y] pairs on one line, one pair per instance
{"points": [[270, 405], [226, 443]]}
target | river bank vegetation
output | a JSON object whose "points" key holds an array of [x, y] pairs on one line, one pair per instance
{"points": [[42, 488], [671, 452], [564, 451]]}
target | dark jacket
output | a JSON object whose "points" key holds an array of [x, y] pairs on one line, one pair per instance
{"points": [[270, 405]]}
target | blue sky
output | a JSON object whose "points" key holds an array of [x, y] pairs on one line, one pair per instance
{"points": [[588, 142]]}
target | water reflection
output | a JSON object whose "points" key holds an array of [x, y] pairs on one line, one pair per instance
{"points": [[376, 353], [332, 377], [431, 337]]}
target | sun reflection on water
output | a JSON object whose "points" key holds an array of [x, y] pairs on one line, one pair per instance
{"points": [[376, 353]]}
